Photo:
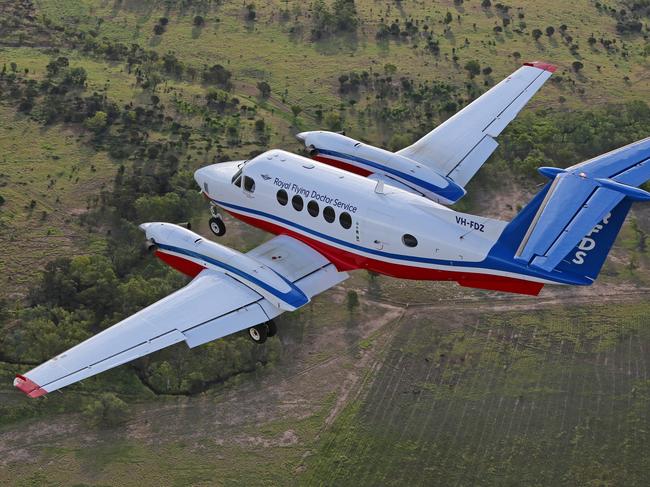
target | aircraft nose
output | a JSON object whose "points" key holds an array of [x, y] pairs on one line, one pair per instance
{"points": [[144, 226], [199, 176], [302, 136]]}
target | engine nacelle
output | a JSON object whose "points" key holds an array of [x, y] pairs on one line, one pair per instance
{"points": [[185, 244], [349, 154]]}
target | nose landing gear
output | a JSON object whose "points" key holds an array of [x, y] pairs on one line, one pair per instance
{"points": [[216, 222], [217, 226]]}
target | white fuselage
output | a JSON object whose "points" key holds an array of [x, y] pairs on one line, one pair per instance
{"points": [[373, 226]]}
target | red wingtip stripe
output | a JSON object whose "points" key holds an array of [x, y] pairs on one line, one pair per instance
{"points": [[28, 386], [542, 65]]}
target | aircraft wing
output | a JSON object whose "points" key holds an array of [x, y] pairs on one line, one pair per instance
{"points": [[458, 147], [211, 306]]}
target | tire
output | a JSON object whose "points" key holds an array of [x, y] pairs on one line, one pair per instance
{"points": [[258, 333], [273, 329], [217, 226]]}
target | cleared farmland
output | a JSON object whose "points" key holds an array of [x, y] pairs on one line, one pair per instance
{"points": [[545, 397]]}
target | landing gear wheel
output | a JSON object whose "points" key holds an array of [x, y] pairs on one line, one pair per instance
{"points": [[273, 329], [258, 333], [217, 226]]}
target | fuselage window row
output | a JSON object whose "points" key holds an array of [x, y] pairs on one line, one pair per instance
{"points": [[345, 219]]}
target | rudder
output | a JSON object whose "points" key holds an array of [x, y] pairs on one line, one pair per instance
{"points": [[587, 258]]}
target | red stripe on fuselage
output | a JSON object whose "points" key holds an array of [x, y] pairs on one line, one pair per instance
{"points": [[346, 261], [346, 166], [186, 266]]}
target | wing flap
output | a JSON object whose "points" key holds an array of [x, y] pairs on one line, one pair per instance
{"points": [[450, 147], [228, 324], [469, 166]]}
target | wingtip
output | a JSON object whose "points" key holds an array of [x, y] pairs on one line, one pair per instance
{"points": [[542, 65], [28, 386]]}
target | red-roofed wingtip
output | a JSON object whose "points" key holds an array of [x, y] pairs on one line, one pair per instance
{"points": [[28, 386], [542, 65]]}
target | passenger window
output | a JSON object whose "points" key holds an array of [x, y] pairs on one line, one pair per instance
{"points": [[249, 184], [297, 202], [283, 197], [345, 220], [409, 240], [312, 208], [328, 214]]}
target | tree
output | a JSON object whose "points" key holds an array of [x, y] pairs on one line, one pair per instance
{"points": [[536, 34], [333, 121], [264, 89], [473, 68], [75, 77], [97, 123], [345, 15], [577, 66], [2, 200], [158, 29], [296, 109], [199, 21], [352, 301], [251, 14], [448, 18], [108, 410], [550, 30]]}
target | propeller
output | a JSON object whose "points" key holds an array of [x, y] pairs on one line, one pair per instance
{"points": [[150, 245]]}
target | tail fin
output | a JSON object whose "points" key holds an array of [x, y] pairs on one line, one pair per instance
{"points": [[571, 225], [587, 258]]}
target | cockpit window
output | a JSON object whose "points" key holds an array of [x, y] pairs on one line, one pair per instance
{"points": [[205, 188], [236, 179], [249, 184]]}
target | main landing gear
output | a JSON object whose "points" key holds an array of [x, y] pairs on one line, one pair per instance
{"points": [[216, 222], [259, 333]]}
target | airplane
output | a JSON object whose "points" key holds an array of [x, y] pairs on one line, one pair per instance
{"points": [[440, 164], [329, 221]]}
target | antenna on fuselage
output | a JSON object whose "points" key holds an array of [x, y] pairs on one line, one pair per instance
{"points": [[379, 187]]}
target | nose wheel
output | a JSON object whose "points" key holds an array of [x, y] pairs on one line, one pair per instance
{"points": [[216, 222], [217, 226]]}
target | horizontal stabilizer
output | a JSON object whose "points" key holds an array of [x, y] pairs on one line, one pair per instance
{"points": [[580, 203]]}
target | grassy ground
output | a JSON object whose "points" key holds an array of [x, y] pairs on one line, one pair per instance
{"points": [[306, 73], [47, 178], [552, 397], [457, 393]]}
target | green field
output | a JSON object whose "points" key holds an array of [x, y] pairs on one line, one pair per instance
{"points": [[422, 383]]}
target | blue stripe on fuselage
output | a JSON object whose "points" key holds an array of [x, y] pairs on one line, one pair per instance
{"points": [[295, 297], [495, 260], [452, 192]]}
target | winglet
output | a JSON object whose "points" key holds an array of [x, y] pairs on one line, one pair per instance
{"points": [[28, 386], [542, 65]]}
